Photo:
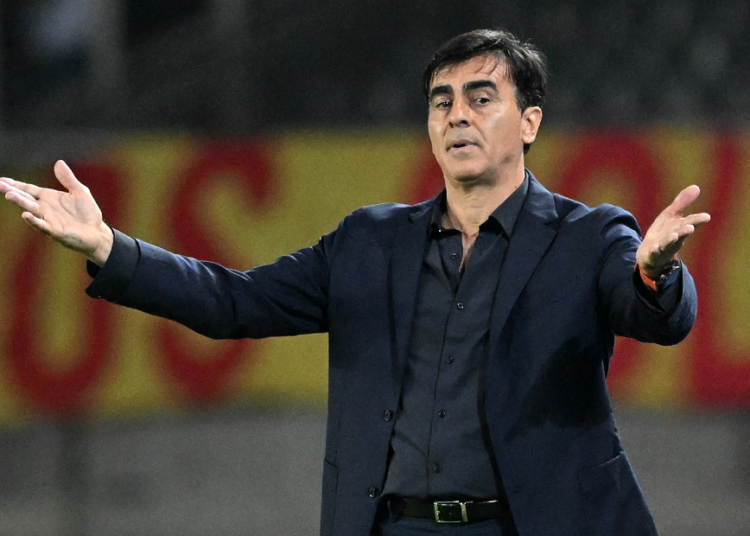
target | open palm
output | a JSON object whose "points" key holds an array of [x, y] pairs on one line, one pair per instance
{"points": [[668, 232], [72, 218]]}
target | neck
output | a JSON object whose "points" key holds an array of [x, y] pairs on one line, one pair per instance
{"points": [[470, 203]]}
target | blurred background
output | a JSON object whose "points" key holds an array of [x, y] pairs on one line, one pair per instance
{"points": [[237, 131]]}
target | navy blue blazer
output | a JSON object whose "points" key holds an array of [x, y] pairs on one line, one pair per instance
{"points": [[566, 289]]}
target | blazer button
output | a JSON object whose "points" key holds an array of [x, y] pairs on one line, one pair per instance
{"points": [[372, 492], [388, 415]]}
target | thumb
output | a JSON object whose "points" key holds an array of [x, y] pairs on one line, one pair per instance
{"points": [[66, 177]]}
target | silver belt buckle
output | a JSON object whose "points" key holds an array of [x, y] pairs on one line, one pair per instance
{"points": [[462, 504]]}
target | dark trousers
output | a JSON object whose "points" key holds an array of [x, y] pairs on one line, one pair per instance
{"points": [[407, 526]]}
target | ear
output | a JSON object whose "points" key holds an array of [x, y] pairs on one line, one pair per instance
{"points": [[530, 121]]}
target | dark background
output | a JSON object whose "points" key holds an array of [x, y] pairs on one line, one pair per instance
{"points": [[231, 65]]}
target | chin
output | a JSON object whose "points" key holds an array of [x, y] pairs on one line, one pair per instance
{"points": [[467, 175]]}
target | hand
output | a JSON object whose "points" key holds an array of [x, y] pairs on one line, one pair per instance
{"points": [[668, 232], [71, 218]]}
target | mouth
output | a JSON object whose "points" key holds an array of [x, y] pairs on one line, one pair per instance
{"points": [[461, 144]]}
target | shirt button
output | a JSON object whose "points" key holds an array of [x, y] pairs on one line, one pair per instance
{"points": [[442, 414], [460, 305], [436, 467], [387, 415], [451, 360], [454, 256], [372, 492]]}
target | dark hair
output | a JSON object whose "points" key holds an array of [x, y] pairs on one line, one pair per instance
{"points": [[527, 66]]}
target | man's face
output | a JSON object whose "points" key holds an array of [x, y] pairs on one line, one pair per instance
{"points": [[475, 126]]}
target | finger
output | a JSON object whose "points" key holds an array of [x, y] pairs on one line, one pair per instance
{"points": [[676, 246], [66, 177], [675, 241], [684, 199], [37, 223], [657, 250], [11, 191], [6, 182], [7, 185], [697, 220], [22, 199], [688, 227]]}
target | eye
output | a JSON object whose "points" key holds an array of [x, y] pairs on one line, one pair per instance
{"points": [[443, 104], [482, 100]]}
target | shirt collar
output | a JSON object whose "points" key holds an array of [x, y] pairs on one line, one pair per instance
{"points": [[502, 219]]}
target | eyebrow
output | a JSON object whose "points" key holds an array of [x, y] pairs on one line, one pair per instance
{"points": [[468, 86], [440, 90], [479, 84]]}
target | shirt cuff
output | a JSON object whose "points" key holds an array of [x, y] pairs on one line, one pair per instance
{"points": [[112, 279]]}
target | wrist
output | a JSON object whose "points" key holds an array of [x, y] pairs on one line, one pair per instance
{"points": [[656, 279], [100, 255]]}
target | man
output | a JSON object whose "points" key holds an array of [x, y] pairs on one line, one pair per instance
{"points": [[469, 336]]}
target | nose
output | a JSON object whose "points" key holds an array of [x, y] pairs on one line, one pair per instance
{"points": [[459, 113]]}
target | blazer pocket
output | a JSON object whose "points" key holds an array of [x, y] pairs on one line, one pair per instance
{"points": [[613, 501], [328, 499]]}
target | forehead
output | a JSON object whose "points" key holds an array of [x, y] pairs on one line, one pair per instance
{"points": [[479, 67]]}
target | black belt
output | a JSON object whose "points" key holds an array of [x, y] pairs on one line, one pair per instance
{"points": [[449, 511]]}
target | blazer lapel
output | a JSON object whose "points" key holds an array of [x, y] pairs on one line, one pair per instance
{"points": [[408, 252], [531, 239]]}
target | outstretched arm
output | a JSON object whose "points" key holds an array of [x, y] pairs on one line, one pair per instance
{"points": [[668, 233], [71, 218]]}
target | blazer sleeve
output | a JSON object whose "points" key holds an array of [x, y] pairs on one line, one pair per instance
{"points": [[286, 297], [621, 299]]}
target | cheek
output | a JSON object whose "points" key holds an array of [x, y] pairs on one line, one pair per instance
{"points": [[503, 125], [500, 128], [437, 143], [434, 137]]}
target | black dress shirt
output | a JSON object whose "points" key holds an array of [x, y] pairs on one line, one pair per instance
{"points": [[440, 446]]}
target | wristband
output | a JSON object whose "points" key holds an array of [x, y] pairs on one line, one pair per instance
{"points": [[669, 269]]}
